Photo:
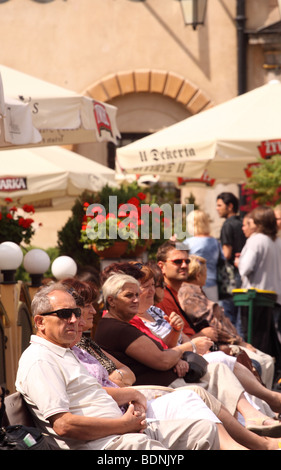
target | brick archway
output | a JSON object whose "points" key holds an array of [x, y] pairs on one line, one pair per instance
{"points": [[150, 81]]}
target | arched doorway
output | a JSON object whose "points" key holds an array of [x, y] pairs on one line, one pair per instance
{"points": [[147, 101]]}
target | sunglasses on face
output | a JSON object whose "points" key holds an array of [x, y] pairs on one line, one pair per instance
{"points": [[65, 313], [178, 262]]}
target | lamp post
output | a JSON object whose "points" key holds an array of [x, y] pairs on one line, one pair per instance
{"points": [[10, 259], [194, 12], [64, 267]]}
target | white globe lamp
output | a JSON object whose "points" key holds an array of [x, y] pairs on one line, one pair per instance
{"points": [[36, 262], [11, 257], [63, 267]]}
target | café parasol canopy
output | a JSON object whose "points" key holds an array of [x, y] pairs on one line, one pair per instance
{"points": [[35, 112], [218, 145], [49, 177]]}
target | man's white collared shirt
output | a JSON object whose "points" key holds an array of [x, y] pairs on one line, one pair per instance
{"points": [[52, 380]]}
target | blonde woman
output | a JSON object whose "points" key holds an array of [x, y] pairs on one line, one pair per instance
{"points": [[203, 244]]}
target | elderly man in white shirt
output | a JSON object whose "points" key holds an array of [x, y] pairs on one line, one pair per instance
{"points": [[70, 404]]}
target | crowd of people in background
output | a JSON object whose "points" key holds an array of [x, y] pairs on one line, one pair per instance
{"points": [[127, 383]]}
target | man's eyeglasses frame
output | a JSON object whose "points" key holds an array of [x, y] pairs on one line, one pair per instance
{"points": [[179, 262], [65, 313]]}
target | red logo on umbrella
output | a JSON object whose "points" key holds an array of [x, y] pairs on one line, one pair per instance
{"points": [[102, 118], [268, 148], [204, 179]]}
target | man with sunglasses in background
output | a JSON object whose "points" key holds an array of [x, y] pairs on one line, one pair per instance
{"points": [[172, 258], [69, 404]]}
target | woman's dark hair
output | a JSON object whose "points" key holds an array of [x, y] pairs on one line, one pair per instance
{"points": [[157, 273], [131, 268], [265, 221], [158, 277], [146, 272], [88, 273], [83, 292]]}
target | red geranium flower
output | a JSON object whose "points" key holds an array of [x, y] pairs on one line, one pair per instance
{"points": [[134, 201], [141, 196], [28, 208], [14, 226]]}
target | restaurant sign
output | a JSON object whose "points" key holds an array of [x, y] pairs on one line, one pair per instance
{"points": [[268, 148], [11, 183]]}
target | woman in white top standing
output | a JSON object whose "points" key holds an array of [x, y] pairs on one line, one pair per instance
{"points": [[260, 260], [260, 265]]}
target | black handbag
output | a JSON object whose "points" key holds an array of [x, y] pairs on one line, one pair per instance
{"points": [[197, 367], [225, 278], [21, 437]]}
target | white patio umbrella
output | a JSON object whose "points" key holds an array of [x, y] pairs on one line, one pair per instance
{"points": [[216, 145], [35, 112], [49, 177]]}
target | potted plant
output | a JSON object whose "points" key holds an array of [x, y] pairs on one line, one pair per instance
{"points": [[73, 240], [16, 225], [103, 229], [123, 219]]}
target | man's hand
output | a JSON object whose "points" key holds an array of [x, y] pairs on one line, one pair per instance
{"points": [[139, 401], [134, 420]]}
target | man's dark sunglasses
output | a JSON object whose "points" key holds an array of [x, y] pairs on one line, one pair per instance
{"points": [[65, 313], [179, 262]]}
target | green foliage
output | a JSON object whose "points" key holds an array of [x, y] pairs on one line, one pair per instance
{"points": [[69, 243], [191, 200], [264, 184], [123, 193], [72, 238]]}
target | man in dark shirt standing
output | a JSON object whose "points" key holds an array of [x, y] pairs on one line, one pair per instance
{"points": [[232, 241]]}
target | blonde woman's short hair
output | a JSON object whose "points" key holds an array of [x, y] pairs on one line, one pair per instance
{"points": [[196, 266], [198, 222]]}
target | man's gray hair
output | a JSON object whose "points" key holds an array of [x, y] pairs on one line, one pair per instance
{"points": [[41, 301], [115, 283]]}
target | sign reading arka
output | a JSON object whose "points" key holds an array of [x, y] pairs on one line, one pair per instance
{"points": [[13, 184]]}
